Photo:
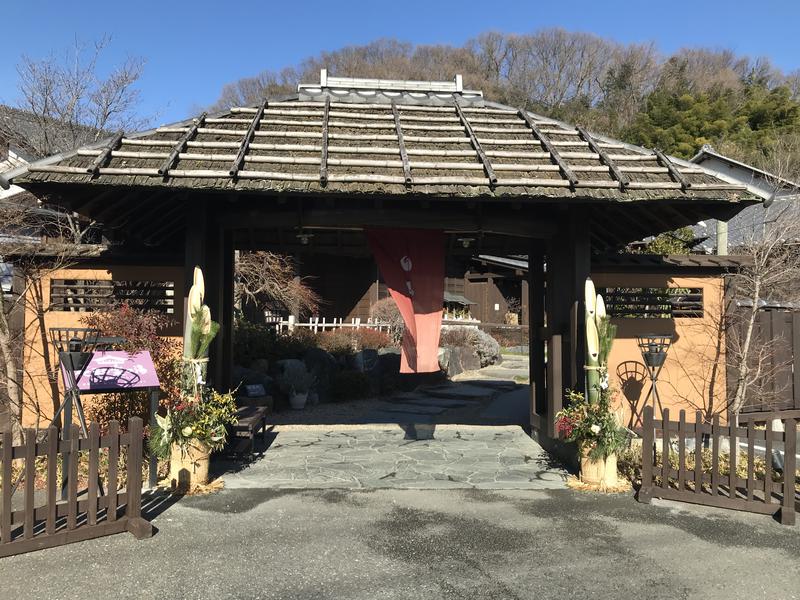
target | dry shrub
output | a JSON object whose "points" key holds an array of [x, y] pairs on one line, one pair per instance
{"points": [[386, 311], [337, 341], [482, 344], [371, 339], [142, 330], [458, 337]]}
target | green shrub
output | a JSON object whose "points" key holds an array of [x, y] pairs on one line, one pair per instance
{"points": [[252, 342], [349, 385]]}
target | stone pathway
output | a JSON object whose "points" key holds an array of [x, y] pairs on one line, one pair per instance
{"points": [[477, 441], [389, 456]]}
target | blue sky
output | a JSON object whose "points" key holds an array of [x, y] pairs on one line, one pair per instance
{"points": [[192, 49]]}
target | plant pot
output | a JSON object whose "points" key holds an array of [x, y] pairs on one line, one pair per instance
{"points": [[596, 471], [188, 465], [298, 401]]}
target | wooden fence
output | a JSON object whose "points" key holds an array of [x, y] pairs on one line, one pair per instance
{"points": [[95, 512], [665, 473], [779, 389]]}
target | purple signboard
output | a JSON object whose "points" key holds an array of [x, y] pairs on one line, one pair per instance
{"points": [[117, 371]]}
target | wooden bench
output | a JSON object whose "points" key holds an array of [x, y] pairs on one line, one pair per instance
{"points": [[250, 420]]}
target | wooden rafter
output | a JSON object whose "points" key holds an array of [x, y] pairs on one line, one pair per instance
{"points": [[401, 144], [676, 175], [623, 180], [238, 162], [323, 163], [476, 145], [568, 173], [181, 145], [104, 156]]}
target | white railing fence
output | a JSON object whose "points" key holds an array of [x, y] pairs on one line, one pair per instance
{"points": [[317, 324]]}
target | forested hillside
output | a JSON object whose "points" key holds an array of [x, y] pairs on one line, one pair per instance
{"points": [[741, 105]]}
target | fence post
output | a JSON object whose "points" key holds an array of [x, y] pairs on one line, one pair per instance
{"points": [[5, 508], [291, 322], [666, 464], [647, 455], [698, 452], [138, 526], [52, 479], [30, 476], [789, 470]]}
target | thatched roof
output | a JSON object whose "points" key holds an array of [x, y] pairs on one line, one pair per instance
{"points": [[378, 139]]}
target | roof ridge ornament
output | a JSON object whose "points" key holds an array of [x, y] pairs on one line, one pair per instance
{"points": [[377, 89]]}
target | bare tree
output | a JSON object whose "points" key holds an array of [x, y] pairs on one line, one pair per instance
{"points": [[269, 280], [33, 261], [66, 102], [771, 240]]}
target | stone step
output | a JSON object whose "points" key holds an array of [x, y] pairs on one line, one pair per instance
{"points": [[427, 400], [493, 384], [412, 408], [458, 392]]}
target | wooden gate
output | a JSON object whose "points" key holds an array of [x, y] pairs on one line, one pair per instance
{"points": [[673, 468], [95, 512]]}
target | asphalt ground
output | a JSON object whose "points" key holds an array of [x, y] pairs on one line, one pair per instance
{"points": [[393, 543]]}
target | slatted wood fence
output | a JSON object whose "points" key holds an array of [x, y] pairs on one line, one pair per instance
{"points": [[87, 295], [666, 475], [34, 525], [779, 388]]}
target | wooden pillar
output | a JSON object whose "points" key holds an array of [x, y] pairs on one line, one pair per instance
{"points": [[210, 247], [226, 317], [215, 296], [568, 265], [536, 334], [581, 268]]}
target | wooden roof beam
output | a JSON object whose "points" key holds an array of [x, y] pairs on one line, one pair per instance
{"points": [[623, 179], [676, 175], [568, 173], [323, 163], [476, 145], [181, 145], [402, 145], [102, 159], [248, 137]]}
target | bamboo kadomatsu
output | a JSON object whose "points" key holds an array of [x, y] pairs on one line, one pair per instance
{"points": [[199, 333]]}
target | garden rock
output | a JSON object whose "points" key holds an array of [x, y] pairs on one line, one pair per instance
{"points": [[363, 361], [261, 365], [245, 376], [465, 360], [451, 362], [323, 365], [387, 369]]}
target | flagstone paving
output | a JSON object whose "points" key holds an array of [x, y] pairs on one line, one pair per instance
{"points": [[388, 456]]}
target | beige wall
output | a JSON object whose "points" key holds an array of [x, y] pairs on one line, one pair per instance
{"points": [[693, 377], [38, 354]]}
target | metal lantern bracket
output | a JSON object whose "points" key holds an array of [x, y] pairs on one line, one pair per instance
{"points": [[654, 347]]}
